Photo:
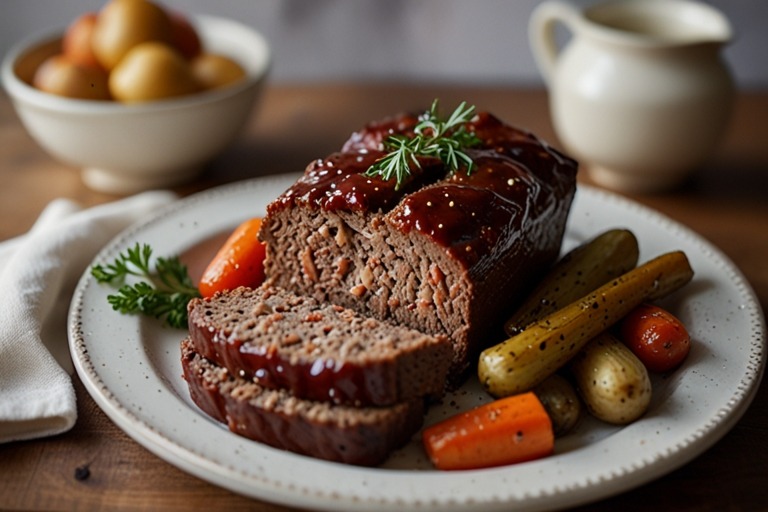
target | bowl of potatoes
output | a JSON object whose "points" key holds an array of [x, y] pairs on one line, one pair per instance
{"points": [[136, 96]]}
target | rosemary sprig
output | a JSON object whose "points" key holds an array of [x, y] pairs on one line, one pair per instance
{"points": [[162, 293], [444, 139]]}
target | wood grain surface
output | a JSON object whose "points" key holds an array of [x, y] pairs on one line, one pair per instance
{"points": [[95, 466]]}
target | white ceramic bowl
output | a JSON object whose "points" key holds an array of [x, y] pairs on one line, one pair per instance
{"points": [[123, 149]]}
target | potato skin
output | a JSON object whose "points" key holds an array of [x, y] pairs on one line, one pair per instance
{"points": [[58, 75], [121, 25], [561, 401], [149, 72], [611, 380]]}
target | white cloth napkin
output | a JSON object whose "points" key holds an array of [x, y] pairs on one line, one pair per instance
{"points": [[38, 274]]}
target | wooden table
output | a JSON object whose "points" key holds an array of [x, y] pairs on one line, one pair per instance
{"points": [[726, 203]]}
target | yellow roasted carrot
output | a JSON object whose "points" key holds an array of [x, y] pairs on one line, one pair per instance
{"points": [[580, 271], [519, 363]]}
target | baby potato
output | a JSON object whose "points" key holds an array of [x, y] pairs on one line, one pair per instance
{"points": [[611, 380], [561, 402], [152, 71], [58, 75], [134, 51], [123, 24], [76, 44], [213, 71]]}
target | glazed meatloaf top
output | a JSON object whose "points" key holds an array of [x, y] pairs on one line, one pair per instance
{"points": [[443, 252], [353, 435], [317, 351], [515, 175]]}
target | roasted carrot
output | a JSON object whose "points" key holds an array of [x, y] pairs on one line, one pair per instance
{"points": [[505, 431], [239, 262]]}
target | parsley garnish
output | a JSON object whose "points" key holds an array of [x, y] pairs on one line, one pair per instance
{"points": [[162, 293], [433, 137]]}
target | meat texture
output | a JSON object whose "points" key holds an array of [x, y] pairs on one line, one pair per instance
{"points": [[353, 435], [444, 253], [317, 351]]}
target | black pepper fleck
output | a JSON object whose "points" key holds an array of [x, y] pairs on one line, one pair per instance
{"points": [[82, 473]]}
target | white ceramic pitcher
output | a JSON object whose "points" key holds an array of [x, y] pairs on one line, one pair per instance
{"points": [[640, 93]]}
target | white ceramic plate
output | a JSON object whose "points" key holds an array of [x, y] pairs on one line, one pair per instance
{"points": [[131, 367]]}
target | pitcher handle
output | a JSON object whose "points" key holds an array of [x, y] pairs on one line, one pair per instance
{"points": [[541, 33]]}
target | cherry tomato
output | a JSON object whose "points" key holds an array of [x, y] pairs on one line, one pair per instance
{"points": [[656, 337]]}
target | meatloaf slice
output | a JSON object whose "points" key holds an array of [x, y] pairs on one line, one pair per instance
{"points": [[317, 351], [361, 436], [443, 253]]}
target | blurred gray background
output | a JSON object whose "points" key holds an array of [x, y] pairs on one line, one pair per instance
{"points": [[458, 41]]}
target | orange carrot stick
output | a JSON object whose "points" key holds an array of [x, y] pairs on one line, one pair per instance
{"points": [[239, 262], [506, 431]]}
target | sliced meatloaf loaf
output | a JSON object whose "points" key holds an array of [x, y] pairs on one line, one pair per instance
{"points": [[444, 253], [353, 435], [317, 351]]}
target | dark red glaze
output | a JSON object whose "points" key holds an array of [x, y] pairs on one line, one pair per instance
{"points": [[338, 183], [478, 214], [466, 220], [321, 380], [373, 135], [522, 147], [514, 175], [350, 441]]}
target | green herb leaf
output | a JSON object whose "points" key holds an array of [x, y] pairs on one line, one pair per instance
{"points": [[432, 137], [162, 293]]}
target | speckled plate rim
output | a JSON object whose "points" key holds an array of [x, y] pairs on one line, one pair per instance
{"points": [[130, 367]]}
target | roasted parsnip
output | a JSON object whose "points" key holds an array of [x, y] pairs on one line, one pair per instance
{"points": [[521, 362], [580, 271]]}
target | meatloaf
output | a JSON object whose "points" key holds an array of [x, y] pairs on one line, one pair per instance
{"points": [[446, 253], [317, 351], [353, 435]]}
